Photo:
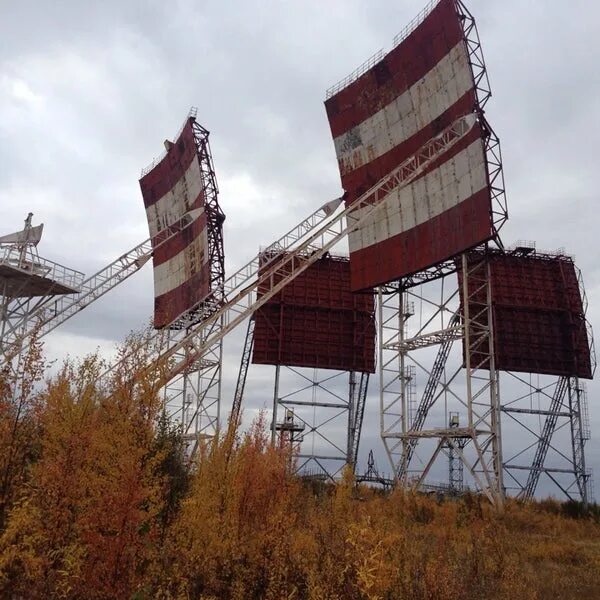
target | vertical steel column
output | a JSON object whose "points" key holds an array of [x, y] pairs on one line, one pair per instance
{"points": [[482, 378], [275, 405], [351, 416], [578, 437], [477, 393], [392, 414], [494, 392], [193, 398], [455, 467]]}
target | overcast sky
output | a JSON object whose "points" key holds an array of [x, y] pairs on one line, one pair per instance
{"points": [[88, 92]]}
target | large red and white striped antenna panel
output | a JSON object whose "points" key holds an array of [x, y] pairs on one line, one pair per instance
{"points": [[383, 114]]}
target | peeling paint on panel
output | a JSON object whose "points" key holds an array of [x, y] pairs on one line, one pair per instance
{"points": [[428, 84], [172, 190]]}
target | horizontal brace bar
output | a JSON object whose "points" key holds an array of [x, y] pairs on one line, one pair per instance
{"points": [[541, 469], [532, 411], [322, 457], [434, 338], [307, 403]]}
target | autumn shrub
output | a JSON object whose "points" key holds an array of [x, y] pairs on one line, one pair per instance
{"points": [[101, 502], [89, 521], [19, 424]]}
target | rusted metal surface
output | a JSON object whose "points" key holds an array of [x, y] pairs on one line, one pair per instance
{"points": [[316, 321], [378, 120], [539, 318], [176, 188]]}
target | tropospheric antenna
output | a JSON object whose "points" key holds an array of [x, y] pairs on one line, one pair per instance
{"points": [[28, 236]]}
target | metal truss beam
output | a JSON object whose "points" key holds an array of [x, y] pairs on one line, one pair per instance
{"points": [[533, 411], [357, 422], [478, 394], [243, 372], [435, 338], [41, 315], [327, 438], [237, 299]]}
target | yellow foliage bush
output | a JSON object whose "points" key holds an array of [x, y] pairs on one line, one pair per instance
{"points": [[99, 503]]}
